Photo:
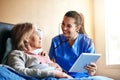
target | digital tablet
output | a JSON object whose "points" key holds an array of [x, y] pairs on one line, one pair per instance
{"points": [[84, 59]]}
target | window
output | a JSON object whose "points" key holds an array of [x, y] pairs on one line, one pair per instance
{"points": [[112, 23]]}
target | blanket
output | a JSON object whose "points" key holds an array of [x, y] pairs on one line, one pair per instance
{"points": [[8, 73]]}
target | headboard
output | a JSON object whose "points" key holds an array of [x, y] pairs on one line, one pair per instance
{"points": [[5, 43]]}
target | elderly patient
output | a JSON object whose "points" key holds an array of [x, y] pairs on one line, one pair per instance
{"points": [[28, 57]]}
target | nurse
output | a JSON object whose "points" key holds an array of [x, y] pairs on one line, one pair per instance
{"points": [[68, 46]]}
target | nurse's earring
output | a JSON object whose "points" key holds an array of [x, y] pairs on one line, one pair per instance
{"points": [[78, 29]]}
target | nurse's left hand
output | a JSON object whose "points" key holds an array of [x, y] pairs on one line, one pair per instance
{"points": [[45, 54], [91, 68]]}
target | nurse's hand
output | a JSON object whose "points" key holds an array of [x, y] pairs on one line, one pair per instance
{"points": [[53, 60], [91, 68], [45, 54]]}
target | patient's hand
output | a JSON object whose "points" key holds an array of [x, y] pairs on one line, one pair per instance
{"points": [[91, 68], [55, 65], [60, 74]]}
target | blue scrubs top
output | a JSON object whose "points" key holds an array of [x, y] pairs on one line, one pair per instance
{"points": [[65, 55]]}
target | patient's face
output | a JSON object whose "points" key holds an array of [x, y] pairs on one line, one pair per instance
{"points": [[35, 40]]}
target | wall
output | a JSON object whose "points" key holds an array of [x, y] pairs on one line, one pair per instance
{"points": [[103, 69], [47, 14]]}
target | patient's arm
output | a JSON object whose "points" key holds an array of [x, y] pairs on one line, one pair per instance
{"points": [[18, 60], [52, 63]]}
